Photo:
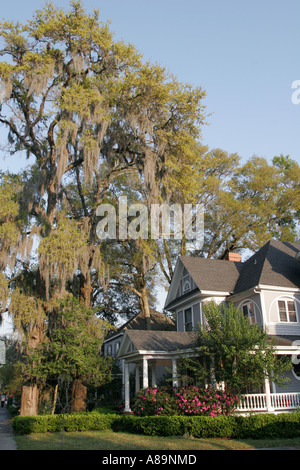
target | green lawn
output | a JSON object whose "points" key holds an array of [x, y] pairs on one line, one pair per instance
{"points": [[108, 440]]}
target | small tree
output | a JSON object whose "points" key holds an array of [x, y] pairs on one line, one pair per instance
{"points": [[72, 351], [237, 353]]}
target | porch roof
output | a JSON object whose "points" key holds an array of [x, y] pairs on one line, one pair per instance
{"points": [[141, 341]]}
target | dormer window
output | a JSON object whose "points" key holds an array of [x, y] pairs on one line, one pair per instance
{"points": [[186, 286]]}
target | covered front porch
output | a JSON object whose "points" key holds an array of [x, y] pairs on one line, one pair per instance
{"points": [[144, 352]]}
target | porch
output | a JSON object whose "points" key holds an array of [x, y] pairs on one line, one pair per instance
{"points": [[269, 403], [145, 351]]}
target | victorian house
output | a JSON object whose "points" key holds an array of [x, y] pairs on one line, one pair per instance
{"points": [[266, 287]]}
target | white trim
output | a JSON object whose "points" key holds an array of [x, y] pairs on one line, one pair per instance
{"points": [[278, 288], [177, 275], [215, 293], [198, 295], [184, 301], [263, 309]]}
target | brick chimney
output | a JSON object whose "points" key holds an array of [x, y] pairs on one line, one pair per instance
{"points": [[233, 257]]}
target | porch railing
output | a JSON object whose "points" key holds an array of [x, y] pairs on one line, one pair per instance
{"points": [[278, 402]]}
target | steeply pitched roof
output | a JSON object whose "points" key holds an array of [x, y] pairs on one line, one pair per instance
{"points": [[213, 274], [273, 265]]}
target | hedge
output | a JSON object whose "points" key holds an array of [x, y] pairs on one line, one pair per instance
{"points": [[259, 426], [54, 423]]}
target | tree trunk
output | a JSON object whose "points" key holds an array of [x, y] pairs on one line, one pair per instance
{"points": [[29, 400], [79, 392], [145, 307], [30, 393], [86, 289], [54, 399]]}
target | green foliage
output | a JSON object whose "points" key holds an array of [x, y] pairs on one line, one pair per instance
{"points": [[239, 354], [72, 422], [151, 425], [258, 426], [187, 401], [72, 345]]}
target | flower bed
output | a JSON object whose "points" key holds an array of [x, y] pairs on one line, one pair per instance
{"points": [[189, 401]]}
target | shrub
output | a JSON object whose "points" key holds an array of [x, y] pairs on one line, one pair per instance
{"points": [[260, 426], [189, 401], [195, 401], [207, 426], [154, 402], [151, 425], [72, 422]]}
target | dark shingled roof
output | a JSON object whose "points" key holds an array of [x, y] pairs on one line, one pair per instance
{"points": [[213, 274], [147, 340], [273, 265]]}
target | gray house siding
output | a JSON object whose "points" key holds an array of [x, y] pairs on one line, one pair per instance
{"points": [[293, 386], [273, 323]]}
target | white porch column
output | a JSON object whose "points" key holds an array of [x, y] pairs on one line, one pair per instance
{"points": [[154, 384], [268, 395], [137, 378], [127, 388], [145, 372], [174, 373]]}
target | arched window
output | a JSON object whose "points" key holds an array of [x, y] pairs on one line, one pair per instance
{"points": [[249, 311], [186, 286]]}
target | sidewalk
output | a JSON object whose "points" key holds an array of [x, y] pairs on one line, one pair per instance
{"points": [[7, 441]]}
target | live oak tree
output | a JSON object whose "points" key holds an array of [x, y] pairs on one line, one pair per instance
{"points": [[85, 109], [260, 201]]}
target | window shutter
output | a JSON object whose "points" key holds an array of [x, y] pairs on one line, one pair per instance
{"points": [[180, 321], [196, 316]]}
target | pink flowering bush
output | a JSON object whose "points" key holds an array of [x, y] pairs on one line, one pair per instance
{"points": [[154, 402], [187, 401], [195, 401]]}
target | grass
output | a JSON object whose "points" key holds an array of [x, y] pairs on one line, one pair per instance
{"points": [[108, 440]]}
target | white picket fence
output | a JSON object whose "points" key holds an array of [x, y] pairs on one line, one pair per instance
{"points": [[278, 402]]}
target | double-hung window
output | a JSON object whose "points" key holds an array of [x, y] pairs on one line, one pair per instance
{"points": [[287, 311], [188, 322]]}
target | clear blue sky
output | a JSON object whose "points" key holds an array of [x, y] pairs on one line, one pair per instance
{"points": [[245, 54]]}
